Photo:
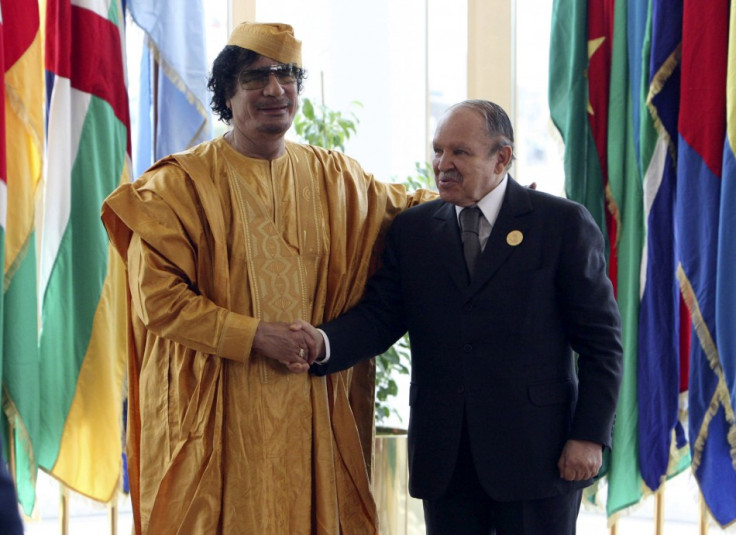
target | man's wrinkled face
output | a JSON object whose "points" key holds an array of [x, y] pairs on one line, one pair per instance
{"points": [[466, 166]]}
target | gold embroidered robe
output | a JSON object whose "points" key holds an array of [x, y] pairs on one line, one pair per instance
{"points": [[221, 440]]}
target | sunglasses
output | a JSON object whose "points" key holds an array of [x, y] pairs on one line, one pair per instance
{"points": [[259, 78]]}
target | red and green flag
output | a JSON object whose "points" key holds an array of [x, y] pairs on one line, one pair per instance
{"points": [[600, 44], [591, 107], [83, 334], [23, 77]]}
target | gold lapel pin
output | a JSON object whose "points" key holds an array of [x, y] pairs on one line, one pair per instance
{"points": [[514, 238]]}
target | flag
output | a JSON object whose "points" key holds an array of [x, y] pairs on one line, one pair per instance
{"points": [[600, 43], [173, 112], [662, 441], [24, 150], [83, 331], [725, 273], [568, 98], [702, 129], [624, 478], [573, 95], [3, 212]]}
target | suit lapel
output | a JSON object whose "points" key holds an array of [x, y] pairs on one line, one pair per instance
{"points": [[510, 227], [449, 245]]}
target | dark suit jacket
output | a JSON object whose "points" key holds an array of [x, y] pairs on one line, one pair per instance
{"points": [[500, 349], [10, 522]]}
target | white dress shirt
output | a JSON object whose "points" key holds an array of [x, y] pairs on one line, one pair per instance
{"points": [[489, 205]]}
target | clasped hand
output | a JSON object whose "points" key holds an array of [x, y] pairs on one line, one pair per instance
{"points": [[580, 460], [296, 345]]}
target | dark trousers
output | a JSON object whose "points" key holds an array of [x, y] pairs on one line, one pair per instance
{"points": [[466, 509], [10, 522]]}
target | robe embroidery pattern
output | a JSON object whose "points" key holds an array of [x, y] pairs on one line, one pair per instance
{"points": [[282, 276]]}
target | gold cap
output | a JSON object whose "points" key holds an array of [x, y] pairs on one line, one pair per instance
{"points": [[272, 40]]}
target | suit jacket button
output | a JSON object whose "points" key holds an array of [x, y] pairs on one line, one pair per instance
{"points": [[469, 307], [468, 348], [460, 389]]}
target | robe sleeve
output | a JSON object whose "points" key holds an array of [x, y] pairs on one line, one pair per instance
{"points": [[161, 239], [162, 297]]}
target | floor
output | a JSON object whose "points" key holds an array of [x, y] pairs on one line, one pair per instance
{"points": [[90, 518]]}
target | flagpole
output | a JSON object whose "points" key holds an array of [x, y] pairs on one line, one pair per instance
{"points": [[63, 509], [659, 511], [154, 104], [113, 515], [11, 450], [614, 527], [703, 516]]}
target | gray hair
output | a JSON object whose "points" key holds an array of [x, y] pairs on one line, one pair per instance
{"points": [[497, 122]]}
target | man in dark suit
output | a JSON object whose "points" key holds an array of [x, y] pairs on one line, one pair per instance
{"points": [[506, 425], [10, 522]]}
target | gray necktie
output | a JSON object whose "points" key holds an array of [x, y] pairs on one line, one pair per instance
{"points": [[469, 223]]}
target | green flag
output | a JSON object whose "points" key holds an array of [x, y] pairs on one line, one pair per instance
{"points": [[624, 478], [568, 98]]}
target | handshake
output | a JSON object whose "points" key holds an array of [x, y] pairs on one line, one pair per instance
{"points": [[296, 345]]}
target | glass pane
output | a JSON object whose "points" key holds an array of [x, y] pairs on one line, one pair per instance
{"points": [[372, 53], [447, 50], [538, 146]]}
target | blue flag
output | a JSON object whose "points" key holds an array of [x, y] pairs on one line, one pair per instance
{"points": [[659, 349], [702, 129], [726, 274], [175, 116]]}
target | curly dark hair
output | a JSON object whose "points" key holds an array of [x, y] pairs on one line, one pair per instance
{"points": [[223, 79]]}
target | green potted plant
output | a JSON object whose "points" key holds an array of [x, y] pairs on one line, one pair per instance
{"points": [[319, 125]]}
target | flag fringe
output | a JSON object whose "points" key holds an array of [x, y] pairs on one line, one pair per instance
{"points": [[593, 501], [19, 429], [676, 457], [612, 208], [655, 87], [724, 528], [721, 397]]}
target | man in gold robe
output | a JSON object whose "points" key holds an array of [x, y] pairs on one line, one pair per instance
{"points": [[226, 244]]}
